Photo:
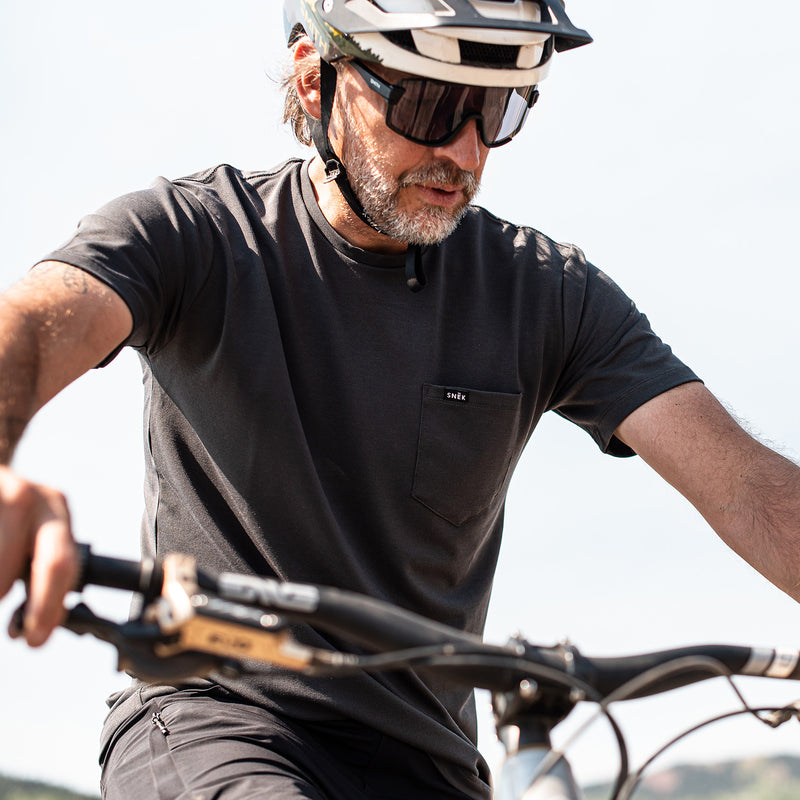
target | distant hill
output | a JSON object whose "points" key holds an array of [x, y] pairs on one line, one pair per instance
{"points": [[18, 789], [754, 779]]}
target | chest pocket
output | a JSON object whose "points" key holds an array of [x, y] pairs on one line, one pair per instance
{"points": [[465, 448]]}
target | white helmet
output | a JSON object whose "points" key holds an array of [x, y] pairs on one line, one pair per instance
{"points": [[473, 42]]}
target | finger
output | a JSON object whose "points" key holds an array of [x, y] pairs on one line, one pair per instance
{"points": [[53, 569], [17, 498]]}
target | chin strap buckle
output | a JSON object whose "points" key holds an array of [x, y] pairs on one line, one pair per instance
{"points": [[332, 170]]}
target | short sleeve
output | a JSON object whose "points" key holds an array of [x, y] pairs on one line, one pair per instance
{"points": [[614, 362], [154, 249]]}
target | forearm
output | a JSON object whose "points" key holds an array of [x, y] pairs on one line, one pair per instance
{"points": [[761, 522], [55, 324], [749, 494], [19, 368], [11, 430]]}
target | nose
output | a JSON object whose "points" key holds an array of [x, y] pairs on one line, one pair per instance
{"points": [[464, 150]]}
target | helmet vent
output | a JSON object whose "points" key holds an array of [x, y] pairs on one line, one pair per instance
{"points": [[402, 39], [476, 54], [488, 55]]}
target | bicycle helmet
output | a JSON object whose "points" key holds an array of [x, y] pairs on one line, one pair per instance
{"points": [[474, 42]]}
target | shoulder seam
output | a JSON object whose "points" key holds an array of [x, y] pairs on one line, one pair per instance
{"points": [[502, 221], [208, 175]]}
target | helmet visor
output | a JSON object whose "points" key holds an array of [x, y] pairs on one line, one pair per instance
{"points": [[431, 112]]}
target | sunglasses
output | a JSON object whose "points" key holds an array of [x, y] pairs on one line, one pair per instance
{"points": [[432, 112]]}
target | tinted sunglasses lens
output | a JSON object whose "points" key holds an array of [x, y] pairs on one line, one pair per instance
{"points": [[506, 114], [431, 112]]}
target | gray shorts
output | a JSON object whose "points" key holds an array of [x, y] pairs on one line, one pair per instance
{"points": [[195, 745]]}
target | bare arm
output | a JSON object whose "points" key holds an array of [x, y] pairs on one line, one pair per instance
{"points": [[749, 494], [55, 324]]}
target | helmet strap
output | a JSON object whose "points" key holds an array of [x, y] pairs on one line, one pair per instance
{"points": [[415, 275], [335, 171]]}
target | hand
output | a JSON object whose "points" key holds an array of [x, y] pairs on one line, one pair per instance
{"points": [[36, 544]]}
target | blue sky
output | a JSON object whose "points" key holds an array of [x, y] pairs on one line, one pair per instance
{"points": [[667, 150]]}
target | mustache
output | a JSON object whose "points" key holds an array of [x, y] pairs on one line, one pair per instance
{"points": [[443, 173]]}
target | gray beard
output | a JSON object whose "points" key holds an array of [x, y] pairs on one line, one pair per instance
{"points": [[371, 179]]}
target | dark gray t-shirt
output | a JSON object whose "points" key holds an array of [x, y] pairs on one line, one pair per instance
{"points": [[309, 417]]}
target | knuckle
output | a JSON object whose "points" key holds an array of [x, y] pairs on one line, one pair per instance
{"points": [[65, 563], [17, 492], [60, 560], [36, 543]]}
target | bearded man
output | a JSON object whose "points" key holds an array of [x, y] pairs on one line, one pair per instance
{"points": [[344, 358]]}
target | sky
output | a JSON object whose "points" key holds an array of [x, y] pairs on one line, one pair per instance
{"points": [[667, 150]]}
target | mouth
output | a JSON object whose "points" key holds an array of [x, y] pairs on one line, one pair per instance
{"points": [[442, 195]]}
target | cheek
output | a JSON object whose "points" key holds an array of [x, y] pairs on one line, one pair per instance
{"points": [[354, 114], [366, 118]]}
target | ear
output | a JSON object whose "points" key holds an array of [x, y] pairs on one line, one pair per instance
{"points": [[306, 80]]}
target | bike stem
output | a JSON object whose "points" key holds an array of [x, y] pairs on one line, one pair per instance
{"points": [[524, 719]]}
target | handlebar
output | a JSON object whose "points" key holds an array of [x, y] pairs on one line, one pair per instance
{"points": [[197, 623], [229, 615]]}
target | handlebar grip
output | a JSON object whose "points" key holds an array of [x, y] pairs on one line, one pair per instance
{"points": [[144, 576], [609, 674]]}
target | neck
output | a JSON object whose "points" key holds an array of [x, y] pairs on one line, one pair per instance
{"points": [[341, 218]]}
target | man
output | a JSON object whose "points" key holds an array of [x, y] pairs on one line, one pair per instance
{"points": [[285, 303]]}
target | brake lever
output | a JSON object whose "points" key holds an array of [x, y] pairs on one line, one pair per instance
{"points": [[137, 644], [187, 632], [183, 631]]}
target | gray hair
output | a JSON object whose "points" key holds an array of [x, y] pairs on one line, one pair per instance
{"points": [[293, 112]]}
